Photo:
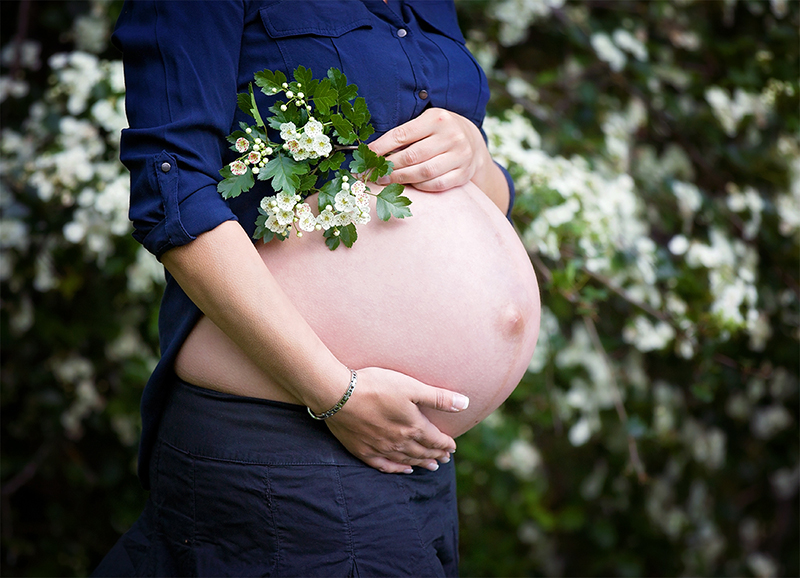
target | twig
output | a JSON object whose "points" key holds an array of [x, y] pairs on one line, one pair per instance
{"points": [[539, 265], [633, 450], [627, 297]]}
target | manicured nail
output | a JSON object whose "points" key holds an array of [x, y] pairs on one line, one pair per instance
{"points": [[433, 467], [408, 471], [446, 459], [460, 402]]}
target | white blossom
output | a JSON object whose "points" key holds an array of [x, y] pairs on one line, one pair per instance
{"points": [[628, 42], [521, 457], [607, 51]]}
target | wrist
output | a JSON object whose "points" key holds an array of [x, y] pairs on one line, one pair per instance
{"points": [[340, 404], [331, 384]]}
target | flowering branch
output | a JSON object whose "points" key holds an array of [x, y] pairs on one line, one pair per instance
{"points": [[318, 122]]}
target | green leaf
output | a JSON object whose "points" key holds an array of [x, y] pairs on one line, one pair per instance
{"points": [[325, 97], [365, 159], [307, 182], [303, 76], [333, 162], [234, 185], [255, 114], [348, 235], [243, 100], [331, 240], [261, 231], [327, 194], [344, 129], [391, 203], [347, 92], [291, 114], [357, 112], [267, 80], [366, 132], [284, 172]]}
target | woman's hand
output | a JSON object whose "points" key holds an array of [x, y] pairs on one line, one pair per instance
{"points": [[440, 150], [382, 425]]}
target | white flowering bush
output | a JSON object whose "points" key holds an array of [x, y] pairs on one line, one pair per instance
{"points": [[655, 153], [658, 200], [79, 299]]}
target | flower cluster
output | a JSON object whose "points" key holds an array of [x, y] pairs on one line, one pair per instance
{"points": [[304, 160], [308, 142], [285, 211], [255, 154]]}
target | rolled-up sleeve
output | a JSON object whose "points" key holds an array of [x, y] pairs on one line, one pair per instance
{"points": [[181, 62]]}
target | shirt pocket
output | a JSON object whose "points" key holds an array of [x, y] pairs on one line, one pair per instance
{"points": [[320, 34]]}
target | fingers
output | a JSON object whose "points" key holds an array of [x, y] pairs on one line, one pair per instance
{"points": [[441, 399], [403, 135], [434, 167], [435, 151]]}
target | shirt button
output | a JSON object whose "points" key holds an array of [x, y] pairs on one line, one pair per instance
{"points": [[165, 167], [423, 94], [401, 33]]}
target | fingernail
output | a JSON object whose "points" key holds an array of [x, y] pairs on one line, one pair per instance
{"points": [[433, 467], [383, 181], [408, 471], [445, 460], [460, 402]]}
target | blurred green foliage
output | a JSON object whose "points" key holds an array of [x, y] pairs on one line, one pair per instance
{"points": [[655, 149]]}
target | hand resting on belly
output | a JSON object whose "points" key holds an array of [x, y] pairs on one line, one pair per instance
{"points": [[447, 296]]}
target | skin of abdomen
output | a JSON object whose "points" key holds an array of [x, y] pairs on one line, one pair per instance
{"points": [[447, 296]]}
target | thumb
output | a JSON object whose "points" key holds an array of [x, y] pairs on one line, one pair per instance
{"points": [[442, 399]]}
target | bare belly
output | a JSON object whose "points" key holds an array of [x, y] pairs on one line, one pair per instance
{"points": [[447, 296]]}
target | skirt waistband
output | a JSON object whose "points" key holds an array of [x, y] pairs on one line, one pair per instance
{"points": [[211, 424]]}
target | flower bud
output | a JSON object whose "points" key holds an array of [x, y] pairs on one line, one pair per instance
{"points": [[289, 94], [300, 94], [299, 233], [284, 85], [248, 130]]}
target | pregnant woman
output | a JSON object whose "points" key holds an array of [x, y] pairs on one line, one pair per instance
{"points": [[413, 336]]}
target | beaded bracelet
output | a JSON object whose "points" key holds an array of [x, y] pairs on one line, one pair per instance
{"points": [[338, 406]]}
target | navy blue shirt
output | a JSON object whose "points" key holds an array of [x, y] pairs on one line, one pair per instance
{"points": [[184, 64]]}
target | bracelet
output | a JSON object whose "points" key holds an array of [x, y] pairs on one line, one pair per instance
{"points": [[338, 406]]}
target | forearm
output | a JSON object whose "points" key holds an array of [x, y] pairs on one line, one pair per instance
{"points": [[222, 272], [491, 180]]}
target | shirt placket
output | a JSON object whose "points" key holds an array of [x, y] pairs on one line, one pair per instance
{"points": [[408, 36]]}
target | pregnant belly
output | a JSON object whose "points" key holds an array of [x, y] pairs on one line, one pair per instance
{"points": [[447, 296]]}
